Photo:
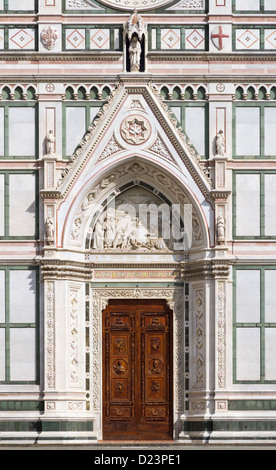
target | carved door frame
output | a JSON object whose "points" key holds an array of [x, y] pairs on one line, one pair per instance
{"points": [[175, 300]]}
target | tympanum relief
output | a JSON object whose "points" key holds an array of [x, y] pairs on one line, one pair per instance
{"points": [[139, 220]]}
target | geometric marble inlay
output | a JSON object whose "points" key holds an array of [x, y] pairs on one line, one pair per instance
{"points": [[22, 39], [270, 39], [195, 38], [170, 39], [76, 38], [248, 39], [100, 39]]}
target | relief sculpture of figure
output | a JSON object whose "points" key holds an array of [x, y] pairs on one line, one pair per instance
{"points": [[120, 231], [220, 143], [98, 242]]}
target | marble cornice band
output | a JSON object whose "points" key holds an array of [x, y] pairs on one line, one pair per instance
{"points": [[190, 271], [57, 269], [54, 57]]}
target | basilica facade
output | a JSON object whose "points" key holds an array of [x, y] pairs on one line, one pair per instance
{"points": [[137, 224]]}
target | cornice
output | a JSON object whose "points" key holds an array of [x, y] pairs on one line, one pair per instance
{"points": [[60, 56], [209, 57], [152, 55], [206, 269], [65, 269]]}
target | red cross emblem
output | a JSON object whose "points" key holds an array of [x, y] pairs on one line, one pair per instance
{"points": [[218, 36]]}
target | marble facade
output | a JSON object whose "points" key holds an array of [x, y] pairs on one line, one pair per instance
{"points": [[146, 177]]}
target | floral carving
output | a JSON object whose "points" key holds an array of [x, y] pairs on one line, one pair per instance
{"points": [[49, 37]]}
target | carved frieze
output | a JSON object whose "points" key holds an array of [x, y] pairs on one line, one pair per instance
{"points": [[50, 336]]}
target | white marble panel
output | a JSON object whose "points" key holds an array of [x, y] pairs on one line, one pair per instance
{"points": [[22, 39], [270, 5], [247, 205], [2, 38], [21, 5], [270, 363], [269, 129], [22, 132], [247, 39], [2, 354], [2, 131], [75, 127], [247, 131], [195, 39], [196, 133], [22, 354], [177, 112], [100, 39], [116, 39], [75, 39], [2, 205], [170, 39], [2, 297], [93, 112], [270, 39], [248, 354], [22, 205], [248, 296], [270, 296], [22, 296], [270, 205], [247, 5], [1, 4]]}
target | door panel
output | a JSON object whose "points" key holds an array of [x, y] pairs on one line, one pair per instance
{"points": [[137, 377]]}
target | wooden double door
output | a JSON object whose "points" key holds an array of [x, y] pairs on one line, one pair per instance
{"points": [[137, 377]]}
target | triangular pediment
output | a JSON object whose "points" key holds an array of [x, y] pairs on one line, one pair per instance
{"points": [[135, 121]]}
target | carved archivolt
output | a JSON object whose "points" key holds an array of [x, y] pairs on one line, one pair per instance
{"points": [[175, 300], [110, 188]]}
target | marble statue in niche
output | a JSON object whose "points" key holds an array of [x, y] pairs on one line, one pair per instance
{"points": [[220, 143], [135, 43], [50, 231], [50, 142], [220, 230]]}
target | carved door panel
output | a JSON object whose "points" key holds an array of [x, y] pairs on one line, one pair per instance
{"points": [[137, 378]]}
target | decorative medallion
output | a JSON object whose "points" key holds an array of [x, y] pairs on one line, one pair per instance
{"points": [[135, 130], [140, 5]]}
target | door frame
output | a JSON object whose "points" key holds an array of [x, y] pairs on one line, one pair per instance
{"points": [[137, 312], [100, 300]]}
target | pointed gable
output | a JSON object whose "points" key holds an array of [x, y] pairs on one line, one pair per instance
{"points": [[135, 121]]}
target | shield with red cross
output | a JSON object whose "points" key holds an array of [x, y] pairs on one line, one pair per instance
{"points": [[220, 37]]}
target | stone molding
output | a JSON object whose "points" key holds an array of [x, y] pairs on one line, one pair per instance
{"points": [[61, 269], [206, 269]]}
